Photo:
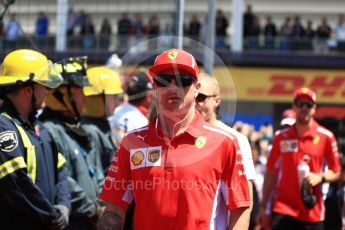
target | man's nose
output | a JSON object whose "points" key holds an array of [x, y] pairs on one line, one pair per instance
{"points": [[174, 83]]}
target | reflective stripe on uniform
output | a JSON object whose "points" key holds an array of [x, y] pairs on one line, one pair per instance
{"points": [[61, 160], [11, 166], [30, 150], [31, 153]]}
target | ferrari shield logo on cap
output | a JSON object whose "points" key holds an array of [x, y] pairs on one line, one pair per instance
{"points": [[172, 55], [305, 90], [8, 141], [200, 142]]}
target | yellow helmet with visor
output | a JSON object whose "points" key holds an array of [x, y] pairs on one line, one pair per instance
{"points": [[103, 81], [25, 65]]}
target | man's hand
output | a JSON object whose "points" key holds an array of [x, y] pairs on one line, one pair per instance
{"points": [[314, 179], [263, 220], [113, 218], [62, 219], [96, 214], [99, 210]]}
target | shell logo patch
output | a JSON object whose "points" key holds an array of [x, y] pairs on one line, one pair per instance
{"points": [[172, 55], [200, 142], [153, 156], [137, 158], [316, 140], [284, 146]]}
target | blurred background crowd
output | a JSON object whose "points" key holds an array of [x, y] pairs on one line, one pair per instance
{"points": [[285, 32]]}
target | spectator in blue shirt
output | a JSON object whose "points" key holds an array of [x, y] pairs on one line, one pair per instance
{"points": [[12, 32], [42, 24]]}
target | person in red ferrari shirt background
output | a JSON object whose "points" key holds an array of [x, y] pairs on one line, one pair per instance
{"points": [[178, 168], [295, 170]]}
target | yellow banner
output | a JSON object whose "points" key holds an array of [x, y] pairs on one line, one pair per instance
{"points": [[278, 84]]}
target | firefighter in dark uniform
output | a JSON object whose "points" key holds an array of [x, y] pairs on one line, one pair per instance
{"points": [[101, 100], [61, 116], [34, 191]]}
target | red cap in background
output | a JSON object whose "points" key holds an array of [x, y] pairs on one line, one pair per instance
{"points": [[305, 92]]}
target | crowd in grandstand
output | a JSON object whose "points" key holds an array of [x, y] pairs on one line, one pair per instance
{"points": [[294, 34]]}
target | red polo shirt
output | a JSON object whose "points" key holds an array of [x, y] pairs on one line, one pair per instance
{"points": [[177, 183], [287, 150]]}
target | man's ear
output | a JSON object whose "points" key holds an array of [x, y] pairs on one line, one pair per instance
{"points": [[27, 90], [197, 85], [150, 96], [217, 100]]}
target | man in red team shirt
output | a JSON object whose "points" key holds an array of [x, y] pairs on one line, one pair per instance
{"points": [[298, 203], [178, 167]]}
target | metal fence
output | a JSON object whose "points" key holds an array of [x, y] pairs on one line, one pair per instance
{"points": [[26, 13], [121, 43], [293, 45]]}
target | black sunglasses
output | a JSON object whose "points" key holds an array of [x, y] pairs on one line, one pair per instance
{"points": [[202, 97], [300, 104], [181, 80]]}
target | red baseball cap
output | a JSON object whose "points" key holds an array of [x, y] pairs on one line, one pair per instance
{"points": [[175, 59], [305, 92], [288, 117]]}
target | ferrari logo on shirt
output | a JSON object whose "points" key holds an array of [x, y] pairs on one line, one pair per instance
{"points": [[200, 142], [289, 146], [137, 158], [316, 140], [172, 55]]}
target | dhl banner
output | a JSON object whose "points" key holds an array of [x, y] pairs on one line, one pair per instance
{"points": [[278, 84]]}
